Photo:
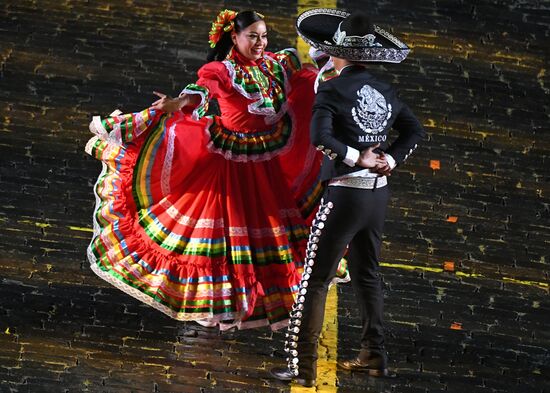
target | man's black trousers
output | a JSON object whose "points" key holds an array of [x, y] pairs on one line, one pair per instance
{"points": [[356, 219]]}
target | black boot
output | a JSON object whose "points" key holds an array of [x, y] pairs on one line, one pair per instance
{"points": [[285, 374], [373, 363], [304, 355]]}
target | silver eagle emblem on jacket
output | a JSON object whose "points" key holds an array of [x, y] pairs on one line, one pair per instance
{"points": [[372, 111]]}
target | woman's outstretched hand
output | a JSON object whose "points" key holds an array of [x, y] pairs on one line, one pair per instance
{"points": [[168, 104]]}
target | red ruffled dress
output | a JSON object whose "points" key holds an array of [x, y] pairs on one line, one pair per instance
{"points": [[206, 217]]}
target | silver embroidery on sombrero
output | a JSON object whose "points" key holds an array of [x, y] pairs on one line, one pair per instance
{"points": [[354, 48], [291, 343], [341, 38]]}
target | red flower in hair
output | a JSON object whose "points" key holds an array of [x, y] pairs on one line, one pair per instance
{"points": [[223, 23]]}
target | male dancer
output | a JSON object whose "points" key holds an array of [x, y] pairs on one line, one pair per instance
{"points": [[352, 116]]}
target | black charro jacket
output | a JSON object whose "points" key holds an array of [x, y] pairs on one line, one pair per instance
{"points": [[356, 110]]}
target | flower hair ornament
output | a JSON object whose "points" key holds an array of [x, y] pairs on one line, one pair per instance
{"points": [[222, 24]]}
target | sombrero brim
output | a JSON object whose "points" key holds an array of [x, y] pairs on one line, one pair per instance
{"points": [[317, 27]]}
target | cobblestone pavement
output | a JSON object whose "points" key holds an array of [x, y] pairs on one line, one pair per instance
{"points": [[466, 251]]}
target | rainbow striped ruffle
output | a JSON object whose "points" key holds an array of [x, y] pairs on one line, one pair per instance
{"points": [[201, 243]]}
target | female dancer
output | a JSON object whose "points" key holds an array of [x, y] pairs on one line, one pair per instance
{"points": [[206, 217]]}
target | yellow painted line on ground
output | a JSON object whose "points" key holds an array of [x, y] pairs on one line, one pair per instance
{"points": [[538, 284], [473, 275], [328, 350], [44, 225], [38, 224], [543, 285], [328, 345], [81, 229], [413, 324], [412, 267]]}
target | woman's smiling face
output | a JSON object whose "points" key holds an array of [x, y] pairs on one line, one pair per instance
{"points": [[251, 42]]}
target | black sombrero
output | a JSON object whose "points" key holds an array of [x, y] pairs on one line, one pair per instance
{"points": [[349, 36]]}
